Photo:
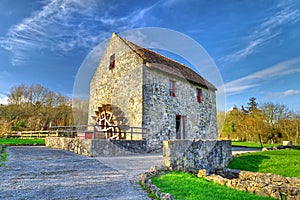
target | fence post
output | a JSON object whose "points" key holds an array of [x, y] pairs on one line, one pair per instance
{"points": [[93, 137]]}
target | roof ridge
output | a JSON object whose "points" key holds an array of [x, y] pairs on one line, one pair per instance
{"points": [[125, 41], [179, 69], [141, 47]]}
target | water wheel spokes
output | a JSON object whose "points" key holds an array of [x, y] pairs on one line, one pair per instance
{"points": [[107, 123]]}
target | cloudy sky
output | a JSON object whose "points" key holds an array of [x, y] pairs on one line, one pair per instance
{"points": [[255, 44]]}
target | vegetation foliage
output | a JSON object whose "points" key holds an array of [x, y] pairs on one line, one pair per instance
{"points": [[34, 108], [186, 186], [275, 162], [269, 122]]}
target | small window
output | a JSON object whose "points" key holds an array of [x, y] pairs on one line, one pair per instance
{"points": [[172, 88], [112, 61], [199, 95]]}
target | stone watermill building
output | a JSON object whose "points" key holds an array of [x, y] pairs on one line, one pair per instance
{"points": [[138, 94]]}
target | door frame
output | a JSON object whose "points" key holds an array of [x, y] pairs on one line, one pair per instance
{"points": [[180, 127]]}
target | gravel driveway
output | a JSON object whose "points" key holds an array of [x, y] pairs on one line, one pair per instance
{"points": [[44, 173]]}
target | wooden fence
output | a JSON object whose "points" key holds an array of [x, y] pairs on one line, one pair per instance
{"points": [[84, 131], [30, 134]]}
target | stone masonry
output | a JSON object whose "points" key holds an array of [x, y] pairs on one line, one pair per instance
{"points": [[269, 185], [103, 148], [120, 87], [193, 155], [160, 109], [137, 90]]}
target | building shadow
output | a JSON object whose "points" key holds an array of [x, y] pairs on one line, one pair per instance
{"points": [[248, 162]]}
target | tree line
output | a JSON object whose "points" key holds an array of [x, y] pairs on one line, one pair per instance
{"points": [[34, 107], [269, 122]]}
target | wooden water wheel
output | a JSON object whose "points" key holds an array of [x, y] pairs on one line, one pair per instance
{"points": [[107, 123]]}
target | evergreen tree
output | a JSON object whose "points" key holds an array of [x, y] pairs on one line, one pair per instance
{"points": [[252, 105]]}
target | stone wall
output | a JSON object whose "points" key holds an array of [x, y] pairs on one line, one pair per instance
{"points": [[160, 109], [192, 155], [98, 147], [120, 87], [108, 148], [262, 184], [145, 181], [76, 145]]}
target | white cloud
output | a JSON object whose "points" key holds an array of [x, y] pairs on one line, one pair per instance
{"points": [[290, 92], [266, 31], [62, 26], [253, 80], [3, 99], [169, 3]]}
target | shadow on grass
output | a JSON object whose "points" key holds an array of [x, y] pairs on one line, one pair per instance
{"points": [[248, 162], [296, 147]]}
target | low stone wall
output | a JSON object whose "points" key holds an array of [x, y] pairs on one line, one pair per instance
{"points": [[192, 155], [118, 147], [76, 145], [98, 147], [135, 146], [145, 181], [269, 185]]}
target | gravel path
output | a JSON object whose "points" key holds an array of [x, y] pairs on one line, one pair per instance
{"points": [[44, 173], [241, 150]]}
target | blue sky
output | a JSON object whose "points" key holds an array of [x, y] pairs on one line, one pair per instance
{"points": [[255, 44]]}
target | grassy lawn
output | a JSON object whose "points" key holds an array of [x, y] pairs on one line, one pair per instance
{"points": [[189, 187], [281, 162], [18, 141]]}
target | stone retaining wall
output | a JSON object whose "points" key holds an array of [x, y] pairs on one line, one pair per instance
{"points": [[269, 185], [97, 147], [76, 145], [118, 147], [192, 155]]}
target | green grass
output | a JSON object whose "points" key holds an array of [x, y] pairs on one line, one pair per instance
{"points": [[251, 144], [189, 187], [281, 162], [3, 157], [18, 141]]}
